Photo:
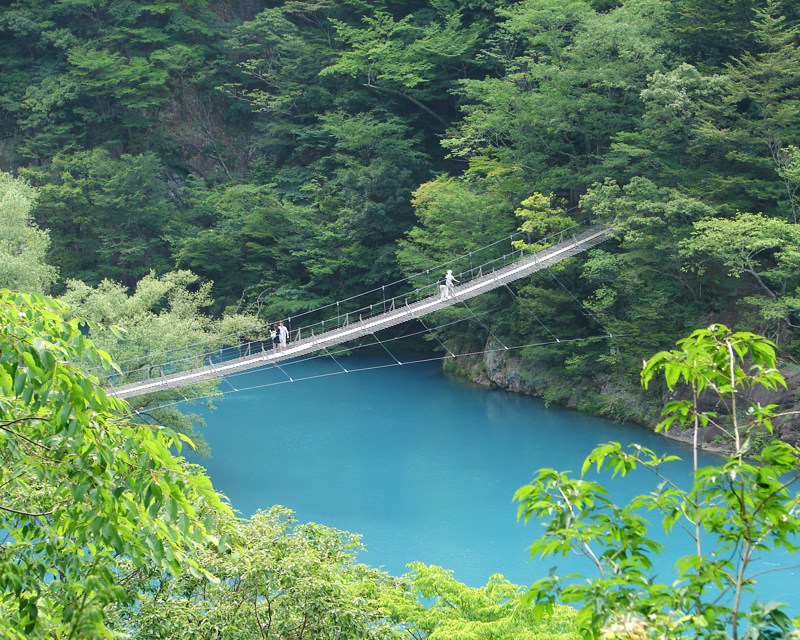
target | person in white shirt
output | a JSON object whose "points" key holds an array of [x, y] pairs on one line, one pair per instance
{"points": [[283, 335], [449, 280]]}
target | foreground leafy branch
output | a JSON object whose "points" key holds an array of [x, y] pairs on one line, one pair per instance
{"points": [[81, 487], [734, 512]]}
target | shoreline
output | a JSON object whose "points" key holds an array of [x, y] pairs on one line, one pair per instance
{"points": [[498, 369]]}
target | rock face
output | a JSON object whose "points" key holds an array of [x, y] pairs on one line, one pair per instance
{"points": [[786, 428], [505, 370], [498, 369], [600, 395]]}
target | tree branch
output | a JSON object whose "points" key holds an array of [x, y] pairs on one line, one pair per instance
{"points": [[25, 513], [19, 435], [753, 273], [408, 97]]}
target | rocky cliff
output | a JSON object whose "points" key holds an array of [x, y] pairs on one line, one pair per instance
{"points": [[602, 395]]}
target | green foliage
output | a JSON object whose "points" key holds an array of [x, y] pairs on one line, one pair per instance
{"points": [[107, 216], [453, 611], [359, 206], [454, 217], [539, 220], [734, 512], [724, 138], [278, 578], [570, 81], [757, 118], [765, 250], [277, 152], [131, 82], [23, 246], [787, 161], [291, 580], [713, 359], [711, 32], [281, 64], [164, 324], [409, 58], [376, 165], [246, 246], [82, 485], [96, 71], [664, 146], [283, 154], [644, 288]]}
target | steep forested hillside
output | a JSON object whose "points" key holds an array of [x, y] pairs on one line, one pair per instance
{"points": [[294, 153], [189, 169]]}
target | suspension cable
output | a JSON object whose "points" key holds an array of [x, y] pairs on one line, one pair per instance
{"points": [[518, 299], [588, 311], [361, 341], [387, 350], [283, 372], [385, 366], [485, 326], [432, 333], [334, 359], [223, 338], [361, 345], [444, 346]]}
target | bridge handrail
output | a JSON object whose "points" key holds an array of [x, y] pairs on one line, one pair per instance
{"points": [[226, 353]]}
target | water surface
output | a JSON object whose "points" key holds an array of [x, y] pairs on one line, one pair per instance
{"points": [[423, 464]]}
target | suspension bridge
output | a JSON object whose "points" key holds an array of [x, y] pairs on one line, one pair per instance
{"points": [[353, 325]]}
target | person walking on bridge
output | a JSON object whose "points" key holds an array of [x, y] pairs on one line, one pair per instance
{"points": [[449, 280], [274, 337], [283, 335], [443, 287]]}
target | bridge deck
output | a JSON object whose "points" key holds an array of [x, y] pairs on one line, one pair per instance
{"points": [[498, 278]]}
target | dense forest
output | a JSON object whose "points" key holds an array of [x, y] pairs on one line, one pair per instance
{"points": [[290, 154], [191, 170]]}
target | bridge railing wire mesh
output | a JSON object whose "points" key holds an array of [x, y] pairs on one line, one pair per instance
{"points": [[335, 315]]}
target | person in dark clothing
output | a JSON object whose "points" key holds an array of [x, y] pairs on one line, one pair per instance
{"points": [[443, 287]]}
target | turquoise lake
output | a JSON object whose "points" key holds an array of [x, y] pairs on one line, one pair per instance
{"points": [[422, 464]]}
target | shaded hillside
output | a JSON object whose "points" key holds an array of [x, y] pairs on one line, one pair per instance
{"points": [[295, 153]]}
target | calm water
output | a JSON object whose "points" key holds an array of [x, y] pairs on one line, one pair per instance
{"points": [[422, 464]]}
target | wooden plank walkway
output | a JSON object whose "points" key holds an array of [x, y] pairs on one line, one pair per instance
{"points": [[482, 284]]}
